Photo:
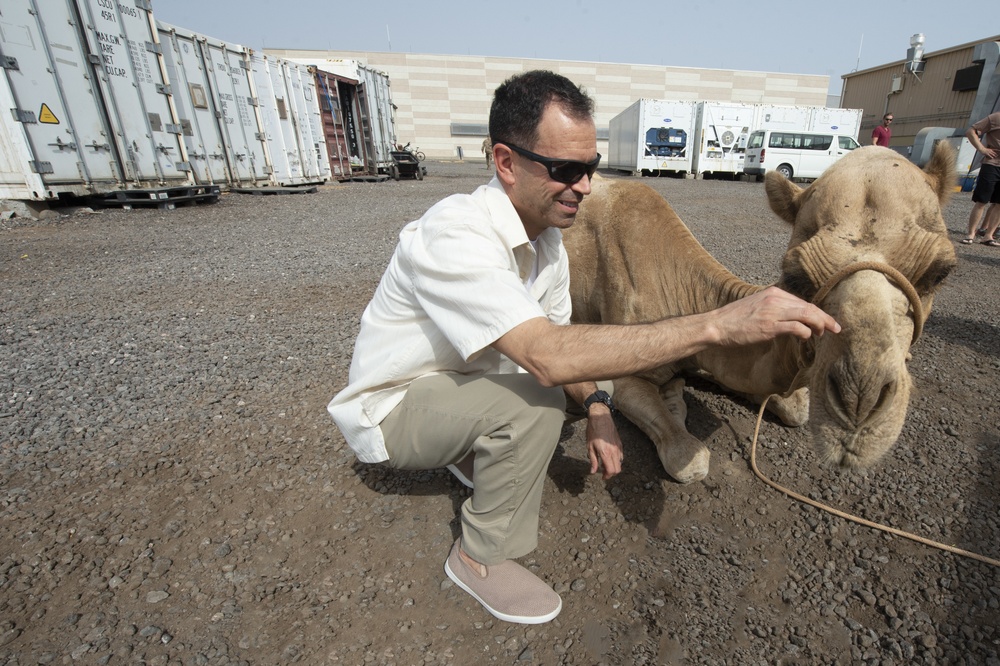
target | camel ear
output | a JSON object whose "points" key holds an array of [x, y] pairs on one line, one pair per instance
{"points": [[940, 171], [783, 196]]}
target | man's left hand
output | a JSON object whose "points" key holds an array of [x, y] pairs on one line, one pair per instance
{"points": [[603, 444]]}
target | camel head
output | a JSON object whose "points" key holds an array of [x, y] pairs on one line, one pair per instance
{"points": [[870, 246]]}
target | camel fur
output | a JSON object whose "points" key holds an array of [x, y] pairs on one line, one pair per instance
{"points": [[632, 260]]}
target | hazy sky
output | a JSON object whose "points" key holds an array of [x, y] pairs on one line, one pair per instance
{"points": [[803, 37]]}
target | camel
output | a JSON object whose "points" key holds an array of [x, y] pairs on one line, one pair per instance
{"points": [[868, 244]]}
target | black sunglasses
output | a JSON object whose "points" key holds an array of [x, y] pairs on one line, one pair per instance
{"points": [[561, 171]]}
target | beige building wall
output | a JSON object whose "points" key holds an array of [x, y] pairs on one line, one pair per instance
{"points": [[434, 92]]}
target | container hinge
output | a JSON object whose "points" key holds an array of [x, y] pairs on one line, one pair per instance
{"points": [[183, 166], [252, 101], [170, 128], [144, 4], [9, 62], [244, 64], [163, 89], [94, 59], [26, 117], [154, 48], [268, 169], [260, 136], [218, 115], [41, 167]]}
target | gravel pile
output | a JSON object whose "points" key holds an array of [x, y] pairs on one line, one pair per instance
{"points": [[173, 492]]}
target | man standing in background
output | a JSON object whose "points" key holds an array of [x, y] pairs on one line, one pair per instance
{"points": [[987, 192], [882, 133]]}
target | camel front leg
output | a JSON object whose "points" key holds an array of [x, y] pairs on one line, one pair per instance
{"points": [[660, 412]]}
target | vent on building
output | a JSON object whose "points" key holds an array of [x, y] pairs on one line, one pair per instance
{"points": [[968, 78], [469, 129], [897, 84]]}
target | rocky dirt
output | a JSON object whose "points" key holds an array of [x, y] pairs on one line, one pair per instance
{"points": [[173, 491]]}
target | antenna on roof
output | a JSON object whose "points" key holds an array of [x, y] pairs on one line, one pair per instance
{"points": [[860, 46]]}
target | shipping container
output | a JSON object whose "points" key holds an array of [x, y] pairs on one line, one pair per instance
{"points": [[653, 136], [216, 103], [837, 121], [721, 132], [370, 121], [307, 120], [336, 103], [278, 122], [777, 117], [90, 106]]}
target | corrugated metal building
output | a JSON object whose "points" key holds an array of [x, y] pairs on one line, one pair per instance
{"points": [[443, 101], [950, 88]]}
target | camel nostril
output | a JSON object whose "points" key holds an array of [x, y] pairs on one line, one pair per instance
{"points": [[835, 400], [884, 399]]}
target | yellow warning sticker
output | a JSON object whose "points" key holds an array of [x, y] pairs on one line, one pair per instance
{"points": [[45, 115]]}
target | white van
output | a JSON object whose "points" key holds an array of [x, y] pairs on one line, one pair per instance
{"points": [[794, 154]]}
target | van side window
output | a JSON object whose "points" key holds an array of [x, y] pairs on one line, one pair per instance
{"points": [[847, 143]]}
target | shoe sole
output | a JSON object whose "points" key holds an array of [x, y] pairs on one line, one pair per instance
{"points": [[519, 619], [461, 477]]}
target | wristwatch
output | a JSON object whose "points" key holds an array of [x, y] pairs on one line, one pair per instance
{"points": [[599, 396]]}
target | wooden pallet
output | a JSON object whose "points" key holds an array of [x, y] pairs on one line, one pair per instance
{"points": [[164, 198]]}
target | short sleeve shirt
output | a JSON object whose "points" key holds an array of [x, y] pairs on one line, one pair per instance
{"points": [[990, 127], [455, 284]]}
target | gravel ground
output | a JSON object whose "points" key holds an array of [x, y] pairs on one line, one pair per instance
{"points": [[173, 491]]}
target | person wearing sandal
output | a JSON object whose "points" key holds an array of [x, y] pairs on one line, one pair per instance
{"points": [[986, 195], [466, 356]]}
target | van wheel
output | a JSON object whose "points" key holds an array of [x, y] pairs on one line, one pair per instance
{"points": [[785, 170]]}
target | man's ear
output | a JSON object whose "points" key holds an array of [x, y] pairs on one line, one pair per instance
{"points": [[503, 162]]}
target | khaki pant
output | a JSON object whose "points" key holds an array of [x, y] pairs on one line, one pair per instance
{"points": [[511, 423]]}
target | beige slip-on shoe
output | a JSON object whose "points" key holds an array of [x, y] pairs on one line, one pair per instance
{"points": [[507, 590]]}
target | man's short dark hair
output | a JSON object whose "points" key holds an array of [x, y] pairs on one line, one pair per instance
{"points": [[519, 101]]}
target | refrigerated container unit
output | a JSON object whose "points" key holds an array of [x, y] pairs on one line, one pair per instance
{"points": [[836, 121], [89, 109], [721, 132], [338, 105], [308, 121], [281, 127], [779, 117], [652, 137], [217, 107]]}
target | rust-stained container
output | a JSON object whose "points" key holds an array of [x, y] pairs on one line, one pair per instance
{"points": [[337, 103]]}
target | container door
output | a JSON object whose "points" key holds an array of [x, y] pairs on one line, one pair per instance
{"points": [[285, 116], [230, 70], [303, 108], [124, 47], [333, 125], [267, 104], [193, 100], [53, 101]]}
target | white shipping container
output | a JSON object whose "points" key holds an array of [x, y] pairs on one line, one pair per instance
{"points": [[721, 133], [307, 120], [276, 120], [653, 135], [87, 106], [124, 47], [777, 117], [217, 107], [835, 121]]}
